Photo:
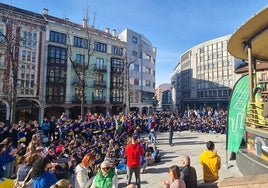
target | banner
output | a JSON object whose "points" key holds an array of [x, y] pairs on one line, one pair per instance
{"points": [[238, 107]]}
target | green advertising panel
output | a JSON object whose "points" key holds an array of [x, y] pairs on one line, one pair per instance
{"points": [[237, 113]]}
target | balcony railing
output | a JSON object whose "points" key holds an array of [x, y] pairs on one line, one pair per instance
{"points": [[76, 99], [99, 99], [100, 68], [100, 83], [255, 118]]}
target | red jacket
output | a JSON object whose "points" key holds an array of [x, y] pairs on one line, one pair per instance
{"points": [[133, 152]]}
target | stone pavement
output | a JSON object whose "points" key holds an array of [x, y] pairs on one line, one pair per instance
{"points": [[185, 143]]}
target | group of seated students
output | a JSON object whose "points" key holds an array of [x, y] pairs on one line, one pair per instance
{"points": [[68, 141], [65, 154]]}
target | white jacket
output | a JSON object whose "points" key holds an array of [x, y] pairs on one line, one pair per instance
{"points": [[82, 179]]}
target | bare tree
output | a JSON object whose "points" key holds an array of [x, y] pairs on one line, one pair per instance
{"points": [[83, 69], [12, 41]]}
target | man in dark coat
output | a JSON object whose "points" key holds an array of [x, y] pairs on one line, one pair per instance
{"points": [[188, 173]]}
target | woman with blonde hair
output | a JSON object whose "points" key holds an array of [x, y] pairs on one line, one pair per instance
{"points": [[35, 142], [63, 183], [84, 173]]}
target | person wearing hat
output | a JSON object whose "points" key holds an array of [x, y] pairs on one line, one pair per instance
{"points": [[211, 163], [106, 177]]}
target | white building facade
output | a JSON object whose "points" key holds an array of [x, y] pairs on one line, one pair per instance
{"points": [[141, 59]]}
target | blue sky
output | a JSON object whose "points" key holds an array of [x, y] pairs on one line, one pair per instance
{"points": [[173, 26]]}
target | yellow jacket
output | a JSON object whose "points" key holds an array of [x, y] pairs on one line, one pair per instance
{"points": [[211, 163], [6, 183]]}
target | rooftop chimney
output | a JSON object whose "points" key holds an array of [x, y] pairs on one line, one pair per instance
{"points": [[45, 11], [84, 23], [107, 30], [114, 32]]}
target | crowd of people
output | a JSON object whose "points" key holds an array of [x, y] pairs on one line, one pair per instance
{"points": [[86, 151]]}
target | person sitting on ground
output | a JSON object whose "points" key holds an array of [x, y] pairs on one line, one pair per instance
{"points": [[174, 173], [62, 183], [211, 163], [84, 173], [41, 173], [105, 177], [143, 164], [149, 158], [188, 173], [156, 154], [132, 186]]}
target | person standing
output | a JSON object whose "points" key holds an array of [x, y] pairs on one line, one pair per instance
{"points": [[188, 173], [170, 130], [133, 152], [152, 135], [211, 163]]}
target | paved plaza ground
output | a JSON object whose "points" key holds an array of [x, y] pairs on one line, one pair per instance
{"points": [[185, 143]]}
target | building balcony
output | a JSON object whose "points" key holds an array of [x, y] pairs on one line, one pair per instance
{"points": [[100, 84], [100, 68], [76, 82], [117, 102], [99, 99], [75, 99]]}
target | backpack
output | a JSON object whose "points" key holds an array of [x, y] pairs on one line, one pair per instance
{"points": [[24, 183]]}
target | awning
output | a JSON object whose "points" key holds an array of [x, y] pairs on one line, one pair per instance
{"points": [[254, 32]]}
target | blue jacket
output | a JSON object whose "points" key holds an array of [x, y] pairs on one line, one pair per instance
{"points": [[45, 180], [45, 125]]}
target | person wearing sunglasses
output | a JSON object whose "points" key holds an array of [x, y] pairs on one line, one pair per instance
{"points": [[106, 177]]}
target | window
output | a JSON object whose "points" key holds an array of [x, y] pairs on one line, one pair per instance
{"points": [[136, 81], [80, 42], [23, 57], [29, 39], [55, 93], [101, 47], [56, 75], [80, 59], [135, 53], [2, 38], [147, 70], [134, 40], [136, 68], [117, 51], [99, 78], [98, 93], [117, 65], [148, 83], [99, 63], [57, 37], [117, 96], [56, 55]]}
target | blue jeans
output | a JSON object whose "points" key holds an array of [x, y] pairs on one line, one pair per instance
{"points": [[152, 138]]}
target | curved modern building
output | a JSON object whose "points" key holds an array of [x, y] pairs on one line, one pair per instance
{"points": [[204, 76]]}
